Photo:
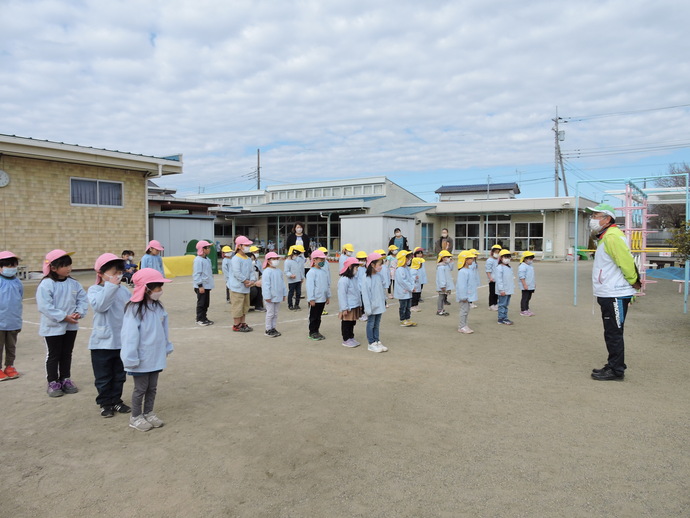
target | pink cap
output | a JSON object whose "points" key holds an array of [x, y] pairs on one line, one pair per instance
{"points": [[317, 254], [201, 245], [269, 256], [51, 256], [155, 244], [373, 257], [101, 261], [8, 255], [348, 262], [141, 279], [242, 240]]}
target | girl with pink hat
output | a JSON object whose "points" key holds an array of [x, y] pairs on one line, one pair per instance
{"points": [[108, 298], [274, 292], [374, 300], [145, 345], [152, 257], [11, 295], [62, 303], [203, 282], [349, 300]]}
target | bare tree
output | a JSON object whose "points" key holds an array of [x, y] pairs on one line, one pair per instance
{"points": [[671, 216]]}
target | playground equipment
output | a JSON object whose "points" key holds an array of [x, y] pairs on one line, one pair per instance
{"points": [[636, 201]]}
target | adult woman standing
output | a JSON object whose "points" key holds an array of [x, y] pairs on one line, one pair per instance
{"points": [[444, 243], [298, 237], [398, 240]]}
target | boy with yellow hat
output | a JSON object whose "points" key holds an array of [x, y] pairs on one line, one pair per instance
{"points": [[403, 287], [465, 288], [490, 269], [444, 281], [527, 282], [505, 286]]}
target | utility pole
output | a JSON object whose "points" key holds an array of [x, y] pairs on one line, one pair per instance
{"points": [[488, 184], [258, 170], [558, 159]]}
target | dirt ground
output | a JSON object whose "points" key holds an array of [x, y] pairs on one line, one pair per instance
{"points": [[502, 423]]}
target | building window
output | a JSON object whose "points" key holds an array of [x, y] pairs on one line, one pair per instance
{"points": [[466, 232], [497, 231], [327, 192], [367, 190], [299, 195], [283, 195], [357, 190], [336, 191], [428, 236], [309, 193], [529, 236], [317, 193], [95, 193], [347, 191], [378, 189]]}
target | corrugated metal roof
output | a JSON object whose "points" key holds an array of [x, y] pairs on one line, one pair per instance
{"points": [[408, 211], [479, 187]]}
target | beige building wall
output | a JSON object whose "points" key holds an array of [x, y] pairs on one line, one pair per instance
{"points": [[37, 215]]}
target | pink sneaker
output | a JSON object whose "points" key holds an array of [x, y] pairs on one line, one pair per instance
{"points": [[524, 313], [465, 330], [530, 314]]}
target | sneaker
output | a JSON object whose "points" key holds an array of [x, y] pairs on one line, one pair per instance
{"points": [[291, 308], [201, 323], [421, 300], [507, 322], [530, 314], [246, 327], [350, 343], [524, 313], [297, 308], [209, 322], [364, 317], [374, 348], [493, 308], [260, 310], [324, 312], [465, 330], [607, 374], [121, 408], [383, 347], [276, 332], [11, 372], [239, 328], [409, 323], [442, 313], [355, 342], [140, 423], [55, 389], [446, 303], [317, 336], [68, 387], [269, 332], [415, 309], [320, 336], [153, 420], [3, 376], [107, 411], [473, 305]]}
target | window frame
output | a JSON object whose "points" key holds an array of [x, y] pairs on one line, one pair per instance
{"points": [[98, 193]]}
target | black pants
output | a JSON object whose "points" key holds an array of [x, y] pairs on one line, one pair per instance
{"points": [[415, 298], [493, 298], [59, 360], [202, 302], [294, 292], [613, 312], [524, 301], [347, 327], [256, 297], [315, 313], [109, 376], [391, 286]]}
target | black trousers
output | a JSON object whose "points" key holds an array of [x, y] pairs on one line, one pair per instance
{"points": [[109, 375], [294, 292], [613, 312], [493, 298], [347, 327], [202, 302], [416, 295], [315, 313], [59, 359], [256, 297], [524, 301]]}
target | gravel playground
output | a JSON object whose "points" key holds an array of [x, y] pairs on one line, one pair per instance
{"points": [[505, 422]]}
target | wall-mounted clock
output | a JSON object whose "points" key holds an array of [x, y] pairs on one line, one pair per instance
{"points": [[4, 178]]}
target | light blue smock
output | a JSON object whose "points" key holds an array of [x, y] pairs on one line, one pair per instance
{"points": [[56, 300], [526, 271], [153, 261], [108, 304], [145, 343], [202, 273], [273, 285], [240, 271], [11, 295], [373, 295], [318, 287]]}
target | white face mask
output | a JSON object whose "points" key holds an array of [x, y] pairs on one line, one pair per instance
{"points": [[505, 260], [348, 253], [246, 249], [378, 268], [114, 278], [595, 226], [9, 271], [275, 263], [446, 260], [528, 261], [155, 295]]}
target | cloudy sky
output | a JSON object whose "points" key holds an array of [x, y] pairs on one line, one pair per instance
{"points": [[428, 93]]}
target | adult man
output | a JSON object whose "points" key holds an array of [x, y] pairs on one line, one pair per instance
{"points": [[615, 280]]}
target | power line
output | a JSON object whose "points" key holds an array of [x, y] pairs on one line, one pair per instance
{"points": [[618, 114]]}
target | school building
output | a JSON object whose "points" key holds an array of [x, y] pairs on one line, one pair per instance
{"points": [[365, 211], [76, 198]]}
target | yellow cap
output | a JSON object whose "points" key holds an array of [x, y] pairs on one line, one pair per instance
{"points": [[526, 254], [361, 254], [323, 249], [417, 263], [463, 256], [504, 252], [349, 247], [402, 257], [380, 251], [499, 247], [253, 248], [226, 249], [392, 247], [442, 254], [474, 251], [293, 248]]}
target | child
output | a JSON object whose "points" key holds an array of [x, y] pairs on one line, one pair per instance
{"points": [[475, 272], [392, 260], [374, 299], [145, 345], [11, 295], [383, 274], [505, 286], [347, 251], [361, 273], [152, 258], [423, 279], [274, 291], [416, 268], [466, 288], [326, 267], [444, 281], [318, 293], [294, 271], [256, 299], [62, 303], [527, 282], [108, 299], [203, 282], [403, 287], [490, 268], [349, 300], [240, 283], [225, 268], [130, 266]]}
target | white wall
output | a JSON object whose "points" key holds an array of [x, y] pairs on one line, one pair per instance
{"points": [[370, 233], [175, 233]]}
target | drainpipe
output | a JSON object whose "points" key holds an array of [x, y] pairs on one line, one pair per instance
{"points": [[146, 198]]}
